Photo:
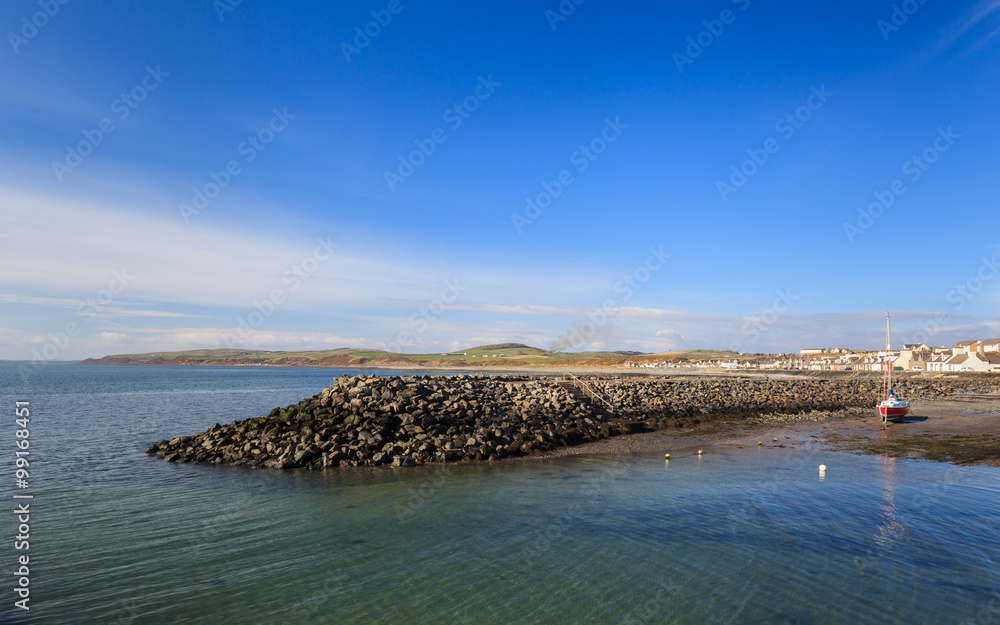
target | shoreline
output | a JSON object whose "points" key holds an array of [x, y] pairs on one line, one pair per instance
{"points": [[627, 372], [963, 430], [413, 420]]}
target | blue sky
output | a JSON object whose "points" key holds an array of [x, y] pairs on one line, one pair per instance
{"points": [[700, 174]]}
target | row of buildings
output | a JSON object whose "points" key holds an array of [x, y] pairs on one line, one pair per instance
{"points": [[975, 355], [968, 356], [705, 363]]}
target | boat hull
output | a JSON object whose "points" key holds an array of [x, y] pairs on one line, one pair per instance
{"points": [[893, 411]]}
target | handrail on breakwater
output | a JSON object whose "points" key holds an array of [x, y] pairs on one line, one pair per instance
{"points": [[592, 393]]}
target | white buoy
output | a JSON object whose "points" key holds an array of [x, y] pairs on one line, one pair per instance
{"points": [[822, 468]]}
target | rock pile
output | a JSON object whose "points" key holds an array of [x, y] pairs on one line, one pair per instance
{"points": [[404, 421]]}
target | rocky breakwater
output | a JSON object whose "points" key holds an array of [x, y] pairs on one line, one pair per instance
{"points": [[404, 421], [649, 405], [931, 385]]}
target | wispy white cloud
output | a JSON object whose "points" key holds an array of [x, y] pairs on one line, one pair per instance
{"points": [[513, 309], [45, 101], [61, 252], [166, 339], [53, 302], [985, 40], [175, 339], [112, 338], [624, 312], [60, 247], [968, 22], [98, 310], [126, 312]]}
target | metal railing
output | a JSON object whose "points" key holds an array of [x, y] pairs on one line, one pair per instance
{"points": [[592, 393]]}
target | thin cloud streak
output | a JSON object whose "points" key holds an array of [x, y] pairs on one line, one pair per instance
{"points": [[967, 23], [98, 310], [61, 246]]}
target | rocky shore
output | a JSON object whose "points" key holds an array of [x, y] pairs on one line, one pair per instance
{"points": [[409, 420]]}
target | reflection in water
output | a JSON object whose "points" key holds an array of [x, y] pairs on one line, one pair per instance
{"points": [[890, 528]]}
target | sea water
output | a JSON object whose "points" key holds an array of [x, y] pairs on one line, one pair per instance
{"points": [[734, 536]]}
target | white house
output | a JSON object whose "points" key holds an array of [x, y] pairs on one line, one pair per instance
{"points": [[976, 362], [938, 359], [970, 361], [956, 362], [966, 347], [990, 345]]}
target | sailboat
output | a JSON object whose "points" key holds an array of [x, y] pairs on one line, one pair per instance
{"points": [[891, 405]]}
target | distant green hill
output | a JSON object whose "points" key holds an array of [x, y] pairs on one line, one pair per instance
{"points": [[495, 355]]}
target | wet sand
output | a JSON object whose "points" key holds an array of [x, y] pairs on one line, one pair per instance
{"points": [[960, 429]]}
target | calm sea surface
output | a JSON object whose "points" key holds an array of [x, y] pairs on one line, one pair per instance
{"points": [[738, 536]]}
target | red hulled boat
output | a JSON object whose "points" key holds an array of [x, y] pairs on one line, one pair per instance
{"points": [[890, 406]]}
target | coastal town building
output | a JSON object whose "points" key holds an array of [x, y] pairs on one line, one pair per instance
{"points": [[938, 358], [968, 356], [966, 347], [964, 356]]}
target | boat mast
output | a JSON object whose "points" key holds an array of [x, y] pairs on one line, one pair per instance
{"points": [[888, 357]]}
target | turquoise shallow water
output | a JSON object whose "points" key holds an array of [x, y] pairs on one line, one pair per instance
{"points": [[737, 536]]}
